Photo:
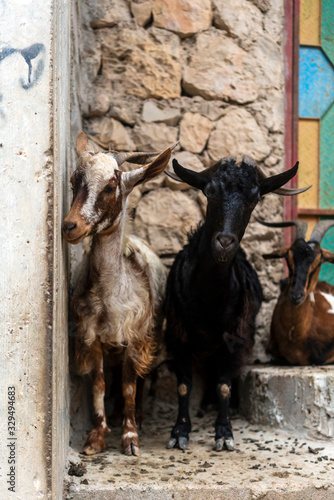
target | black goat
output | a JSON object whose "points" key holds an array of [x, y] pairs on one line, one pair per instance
{"points": [[213, 293]]}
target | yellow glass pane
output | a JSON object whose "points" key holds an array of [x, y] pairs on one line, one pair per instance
{"points": [[310, 22], [308, 155], [312, 220]]}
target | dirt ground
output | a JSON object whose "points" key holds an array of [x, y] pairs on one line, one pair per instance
{"points": [[267, 464]]}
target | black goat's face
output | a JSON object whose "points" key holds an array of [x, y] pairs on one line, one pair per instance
{"points": [[304, 261], [232, 195], [232, 191]]}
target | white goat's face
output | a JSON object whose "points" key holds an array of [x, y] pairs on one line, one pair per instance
{"points": [[97, 197], [100, 190]]}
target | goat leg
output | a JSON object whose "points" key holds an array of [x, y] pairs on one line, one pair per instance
{"points": [[223, 428], [139, 402], [180, 432], [95, 441], [130, 440]]}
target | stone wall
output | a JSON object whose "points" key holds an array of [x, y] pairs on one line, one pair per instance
{"points": [[208, 74]]}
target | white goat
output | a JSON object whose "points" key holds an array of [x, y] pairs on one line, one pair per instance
{"points": [[118, 300]]}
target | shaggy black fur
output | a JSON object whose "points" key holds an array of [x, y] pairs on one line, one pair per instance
{"points": [[213, 293]]}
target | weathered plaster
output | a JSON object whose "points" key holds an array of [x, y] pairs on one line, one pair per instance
{"points": [[33, 138]]}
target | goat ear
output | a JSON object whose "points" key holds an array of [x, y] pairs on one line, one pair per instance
{"points": [[276, 181], [276, 255], [328, 256], [143, 174], [194, 179], [82, 143]]}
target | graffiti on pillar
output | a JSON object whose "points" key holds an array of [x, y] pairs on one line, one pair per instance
{"points": [[29, 54], [34, 56]]}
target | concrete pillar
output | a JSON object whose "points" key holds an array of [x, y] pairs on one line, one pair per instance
{"points": [[34, 138]]}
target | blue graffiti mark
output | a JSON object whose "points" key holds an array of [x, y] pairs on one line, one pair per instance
{"points": [[28, 54], [5, 52], [34, 57]]}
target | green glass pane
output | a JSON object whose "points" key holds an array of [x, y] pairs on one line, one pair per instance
{"points": [[327, 28], [327, 270], [326, 185]]}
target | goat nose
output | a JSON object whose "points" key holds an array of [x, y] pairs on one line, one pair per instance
{"points": [[225, 240], [296, 296], [68, 227]]}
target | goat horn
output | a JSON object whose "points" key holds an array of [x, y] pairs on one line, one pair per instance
{"points": [[136, 157], [209, 170], [320, 229], [283, 190], [133, 157], [300, 225], [173, 176]]}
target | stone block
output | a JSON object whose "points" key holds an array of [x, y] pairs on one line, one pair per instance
{"points": [[237, 133], [142, 11], [125, 109], [110, 134], [156, 113], [98, 105], [184, 17], [108, 13], [300, 399], [239, 18], [194, 132], [225, 75], [154, 137], [143, 63], [163, 218]]}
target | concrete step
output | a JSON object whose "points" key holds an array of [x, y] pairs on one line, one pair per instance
{"points": [[267, 463], [294, 398]]}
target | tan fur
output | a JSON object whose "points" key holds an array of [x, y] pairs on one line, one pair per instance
{"points": [[182, 389], [225, 390], [296, 331]]}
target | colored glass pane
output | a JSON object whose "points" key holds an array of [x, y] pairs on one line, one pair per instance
{"points": [[327, 28], [327, 270], [308, 154], [309, 32], [316, 107], [316, 82], [326, 184]]}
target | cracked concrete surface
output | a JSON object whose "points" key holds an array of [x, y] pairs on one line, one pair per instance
{"points": [[267, 464], [291, 397]]}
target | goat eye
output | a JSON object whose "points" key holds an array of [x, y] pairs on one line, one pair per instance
{"points": [[254, 195], [108, 189], [211, 191]]}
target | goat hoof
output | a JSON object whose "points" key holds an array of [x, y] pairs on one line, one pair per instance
{"points": [[171, 443], [131, 449], [219, 444], [229, 444], [135, 450], [182, 443], [90, 450], [130, 444], [94, 443]]}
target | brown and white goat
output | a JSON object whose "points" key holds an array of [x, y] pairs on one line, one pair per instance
{"points": [[302, 328], [118, 299]]}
